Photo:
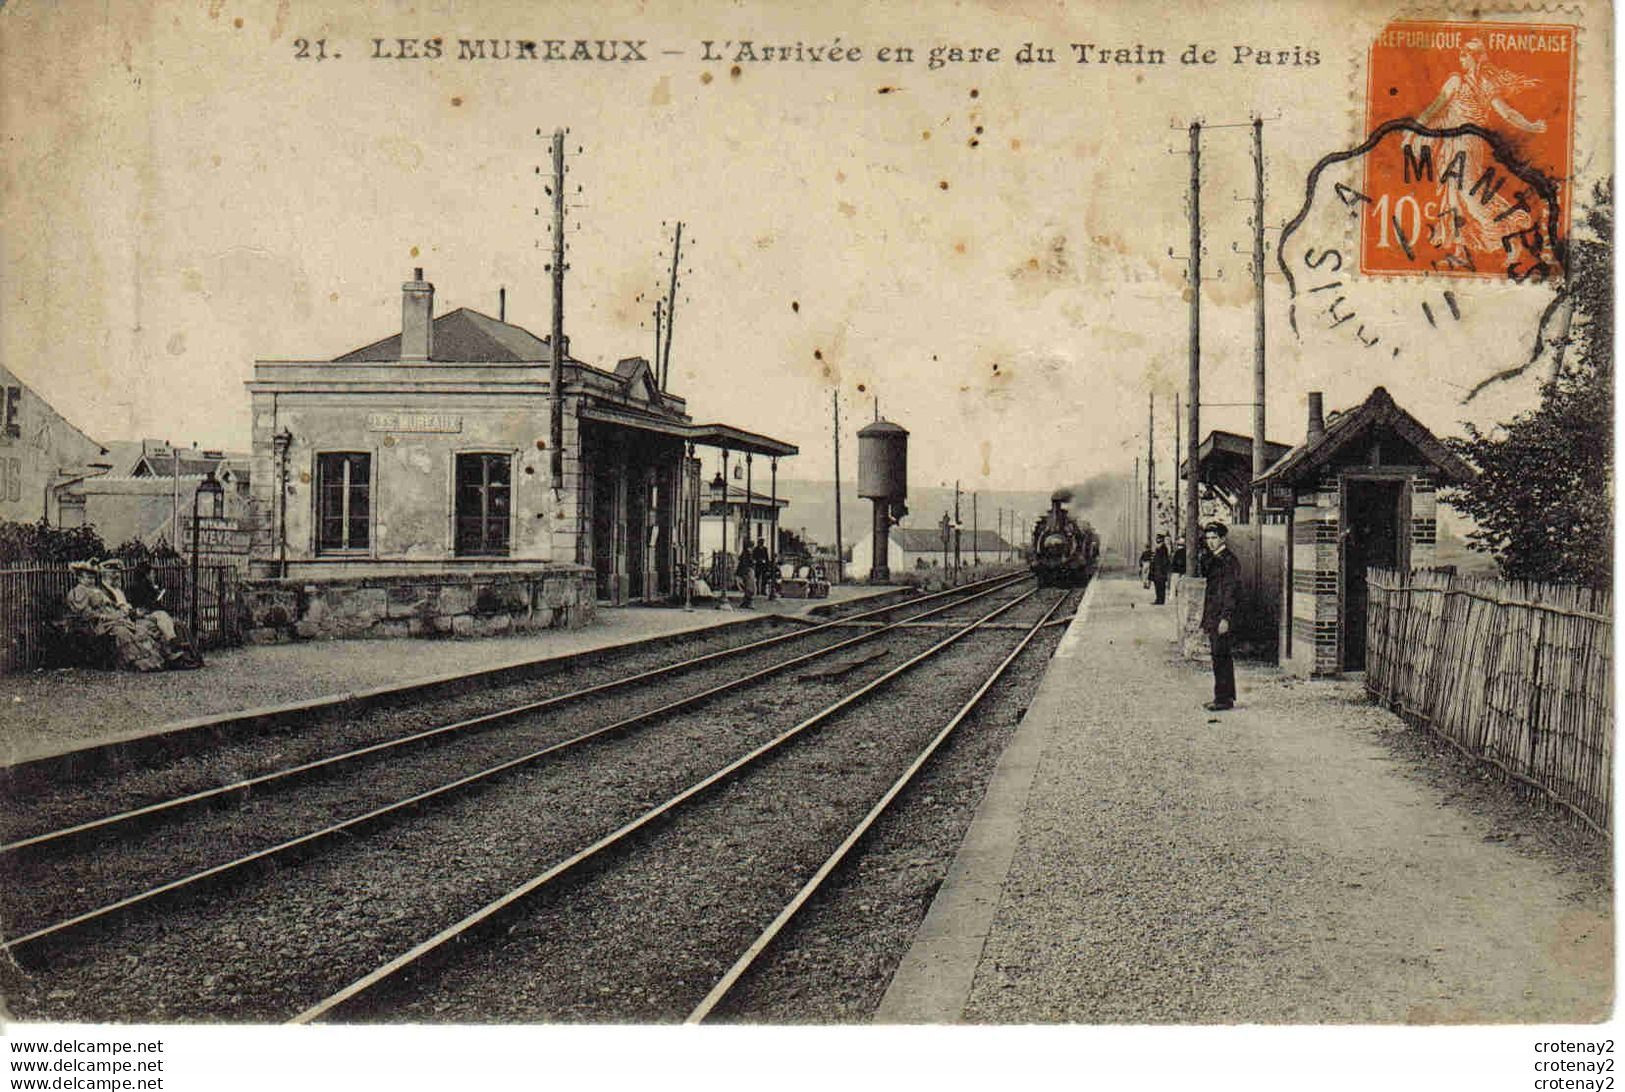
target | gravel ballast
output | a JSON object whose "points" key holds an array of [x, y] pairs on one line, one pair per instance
{"points": [[273, 948]]}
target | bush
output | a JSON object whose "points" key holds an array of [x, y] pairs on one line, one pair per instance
{"points": [[42, 542]]}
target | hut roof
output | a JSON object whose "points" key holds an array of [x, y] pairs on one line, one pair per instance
{"points": [[1304, 463]]}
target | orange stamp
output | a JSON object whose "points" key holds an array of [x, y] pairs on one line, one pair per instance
{"points": [[1472, 147]]}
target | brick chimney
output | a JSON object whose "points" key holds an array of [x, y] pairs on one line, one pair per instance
{"points": [[1317, 418], [417, 319]]}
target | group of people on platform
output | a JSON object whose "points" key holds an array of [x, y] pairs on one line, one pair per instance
{"points": [[145, 636], [756, 573], [1218, 564], [1156, 566]]}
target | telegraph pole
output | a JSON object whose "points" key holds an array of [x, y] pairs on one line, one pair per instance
{"points": [[660, 312], [975, 532], [1134, 509], [1192, 510], [1177, 539], [559, 348], [840, 564], [671, 306], [1258, 334], [957, 537], [1150, 468]]}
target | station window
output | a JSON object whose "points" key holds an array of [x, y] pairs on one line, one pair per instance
{"points": [[483, 504], [344, 501]]}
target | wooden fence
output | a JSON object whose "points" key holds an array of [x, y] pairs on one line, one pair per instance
{"points": [[33, 597], [1519, 675]]}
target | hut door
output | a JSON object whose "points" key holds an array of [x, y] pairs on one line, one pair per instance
{"points": [[1370, 537]]}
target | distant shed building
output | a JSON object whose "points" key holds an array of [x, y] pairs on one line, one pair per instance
{"points": [[1359, 491], [913, 548], [747, 520]]}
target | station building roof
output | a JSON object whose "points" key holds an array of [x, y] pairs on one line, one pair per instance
{"points": [[627, 397], [1350, 434], [466, 336]]}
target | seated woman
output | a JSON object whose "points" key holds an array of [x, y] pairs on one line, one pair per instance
{"points": [[141, 607], [92, 611]]}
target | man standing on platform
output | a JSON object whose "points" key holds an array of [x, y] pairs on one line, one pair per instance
{"points": [[1218, 614], [1160, 564]]}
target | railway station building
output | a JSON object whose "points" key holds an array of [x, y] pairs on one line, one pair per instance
{"points": [[411, 477]]}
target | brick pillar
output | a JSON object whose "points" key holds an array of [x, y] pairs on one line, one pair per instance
{"points": [[1316, 555], [1424, 529]]}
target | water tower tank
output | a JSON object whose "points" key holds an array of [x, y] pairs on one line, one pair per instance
{"points": [[883, 461]]}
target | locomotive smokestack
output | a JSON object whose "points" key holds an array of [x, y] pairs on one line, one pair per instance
{"points": [[1057, 504]]}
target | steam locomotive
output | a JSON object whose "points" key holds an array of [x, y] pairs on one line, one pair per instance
{"points": [[1065, 551]]}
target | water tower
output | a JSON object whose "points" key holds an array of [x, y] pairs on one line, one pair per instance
{"points": [[883, 479]]}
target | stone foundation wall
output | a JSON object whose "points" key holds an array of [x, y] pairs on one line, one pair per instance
{"points": [[419, 605]]}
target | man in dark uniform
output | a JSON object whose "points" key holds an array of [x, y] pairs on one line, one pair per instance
{"points": [[764, 567], [1218, 613], [1160, 565]]}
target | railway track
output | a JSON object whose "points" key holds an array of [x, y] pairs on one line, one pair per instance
{"points": [[705, 854], [59, 937], [26, 857]]}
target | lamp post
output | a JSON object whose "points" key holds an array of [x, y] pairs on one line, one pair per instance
{"points": [[280, 443], [727, 570], [211, 487], [691, 527]]}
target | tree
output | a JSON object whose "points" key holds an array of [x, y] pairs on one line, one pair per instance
{"points": [[1543, 498]]}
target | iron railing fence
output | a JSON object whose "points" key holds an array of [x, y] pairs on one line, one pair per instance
{"points": [[33, 600]]}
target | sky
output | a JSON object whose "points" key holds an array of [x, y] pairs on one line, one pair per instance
{"points": [[994, 251]]}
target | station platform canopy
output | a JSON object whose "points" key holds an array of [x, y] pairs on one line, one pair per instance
{"points": [[726, 437], [1224, 462]]}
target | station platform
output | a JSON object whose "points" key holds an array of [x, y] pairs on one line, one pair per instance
{"points": [[1140, 860], [51, 713]]}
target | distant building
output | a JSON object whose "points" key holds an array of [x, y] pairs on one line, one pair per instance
{"points": [[40, 452], [746, 522], [912, 548], [147, 497]]}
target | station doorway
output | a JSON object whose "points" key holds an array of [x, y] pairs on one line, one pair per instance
{"points": [[1374, 510]]}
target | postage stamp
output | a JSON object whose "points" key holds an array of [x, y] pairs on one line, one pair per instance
{"points": [[1481, 114]]}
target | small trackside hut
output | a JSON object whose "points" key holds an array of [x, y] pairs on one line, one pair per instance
{"points": [[1359, 492], [411, 477]]}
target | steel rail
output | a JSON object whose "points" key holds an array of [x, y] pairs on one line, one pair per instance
{"points": [[508, 901], [332, 762], [356, 822], [810, 888]]}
